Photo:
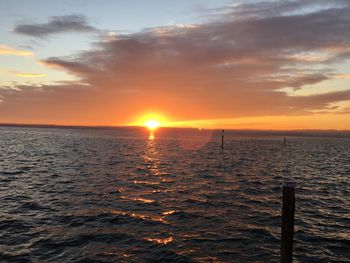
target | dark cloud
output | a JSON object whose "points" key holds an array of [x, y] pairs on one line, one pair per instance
{"points": [[264, 9], [56, 24], [234, 66]]}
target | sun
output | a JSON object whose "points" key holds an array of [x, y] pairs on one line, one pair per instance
{"points": [[152, 124], [151, 121]]}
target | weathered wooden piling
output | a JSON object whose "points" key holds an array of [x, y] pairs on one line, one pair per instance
{"points": [[222, 139], [287, 225], [284, 141]]}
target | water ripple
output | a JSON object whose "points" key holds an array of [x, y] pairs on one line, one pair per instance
{"points": [[114, 195]]}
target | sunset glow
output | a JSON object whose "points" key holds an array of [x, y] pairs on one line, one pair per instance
{"points": [[152, 124], [151, 120], [226, 66]]}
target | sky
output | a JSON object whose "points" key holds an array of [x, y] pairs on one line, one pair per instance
{"points": [[188, 63]]}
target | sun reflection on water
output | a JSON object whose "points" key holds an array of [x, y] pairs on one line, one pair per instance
{"points": [[169, 212], [151, 135], [162, 241], [151, 156], [138, 199], [145, 182], [147, 217]]}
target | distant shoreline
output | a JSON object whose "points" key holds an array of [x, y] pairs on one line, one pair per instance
{"points": [[294, 133]]}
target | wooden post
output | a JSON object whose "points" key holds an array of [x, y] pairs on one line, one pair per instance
{"points": [[222, 139], [288, 209], [284, 141]]}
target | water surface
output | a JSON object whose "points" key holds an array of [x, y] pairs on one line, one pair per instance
{"points": [[117, 195]]}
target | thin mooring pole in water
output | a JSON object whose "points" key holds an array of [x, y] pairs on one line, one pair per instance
{"points": [[288, 209], [284, 141], [222, 139]]}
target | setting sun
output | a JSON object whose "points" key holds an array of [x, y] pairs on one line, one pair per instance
{"points": [[152, 124], [151, 121]]}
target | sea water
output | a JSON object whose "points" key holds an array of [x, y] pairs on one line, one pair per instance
{"points": [[125, 195]]}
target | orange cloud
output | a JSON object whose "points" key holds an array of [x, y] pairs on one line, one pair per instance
{"points": [[7, 50]]}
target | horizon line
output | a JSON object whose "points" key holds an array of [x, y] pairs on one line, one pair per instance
{"points": [[166, 127]]}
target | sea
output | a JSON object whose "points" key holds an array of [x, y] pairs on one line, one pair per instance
{"points": [[172, 195]]}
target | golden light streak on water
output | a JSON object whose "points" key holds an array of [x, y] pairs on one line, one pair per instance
{"points": [[139, 199], [162, 241], [169, 212]]}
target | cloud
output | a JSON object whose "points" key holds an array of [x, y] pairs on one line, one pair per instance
{"points": [[29, 75], [233, 66], [6, 50], [56, 24], [342, 76]]}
